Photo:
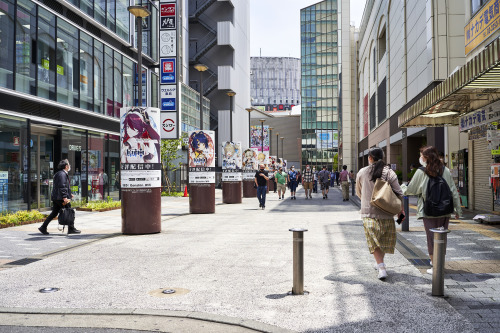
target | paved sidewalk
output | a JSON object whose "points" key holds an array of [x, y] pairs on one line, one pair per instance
{"points": [[237, 265]]}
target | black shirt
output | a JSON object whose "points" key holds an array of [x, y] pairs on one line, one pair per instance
{"points": [[261, 181]]}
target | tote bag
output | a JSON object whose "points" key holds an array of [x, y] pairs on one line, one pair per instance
{"points": [[384, 198]]}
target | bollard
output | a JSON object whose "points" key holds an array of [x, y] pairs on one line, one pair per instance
{"points": [[438, 261], [298, 261], [353, 190], [405, 225]]}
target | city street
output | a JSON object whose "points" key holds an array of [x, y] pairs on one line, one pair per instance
{"points": [[232, 271]]}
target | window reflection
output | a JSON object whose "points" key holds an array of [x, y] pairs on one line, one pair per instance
{"points": [[25, 38], [6, 43], [67, 64], [46, 54]]}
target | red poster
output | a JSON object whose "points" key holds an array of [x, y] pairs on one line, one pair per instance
{"points": [[365, 116], [167, 9]]}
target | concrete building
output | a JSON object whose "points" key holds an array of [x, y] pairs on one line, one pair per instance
{"points": [[326, 81], [467, 101], [218, 33], [406, 48], [275, 83]]}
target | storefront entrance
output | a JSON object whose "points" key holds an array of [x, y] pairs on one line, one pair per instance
{"points": [[42, 165]]}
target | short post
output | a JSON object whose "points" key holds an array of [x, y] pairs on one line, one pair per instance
{"points": [[405, 225], [438, 261], [353, 190], [298, 261]]}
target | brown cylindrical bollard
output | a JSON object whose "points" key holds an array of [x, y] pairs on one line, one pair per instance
{"points": [[141, 221], [231, 192], [438, 261], [298, 261], [248, 190], [201, 198]]}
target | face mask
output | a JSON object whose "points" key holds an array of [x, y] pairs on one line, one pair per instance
{"points": [[308, 168], [69, 169], [422, 162]]}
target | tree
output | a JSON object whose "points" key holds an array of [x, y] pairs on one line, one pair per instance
{"points": [[335, 162], [169, 149]]}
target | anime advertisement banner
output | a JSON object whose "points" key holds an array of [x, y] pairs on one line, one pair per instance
{"points": [[140, 147], [273, 163], [201, 157], [249, 163], [231, 161], [255, 137]]}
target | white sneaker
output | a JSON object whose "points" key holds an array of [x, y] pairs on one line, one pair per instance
{"points": [[375, 265], [430, 261], [382, 273], [429, 271]]}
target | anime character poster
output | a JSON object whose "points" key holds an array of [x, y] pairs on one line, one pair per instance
{"points": [[201, 157], [256, 135], [231, 161], [263, 158], [140, 147], [273, 163], [249, 163]]}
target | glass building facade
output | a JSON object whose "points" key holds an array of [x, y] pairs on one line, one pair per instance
{"points": [[191, 110], [320, 83], [66, 69]]}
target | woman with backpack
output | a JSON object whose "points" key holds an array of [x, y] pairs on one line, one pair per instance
{"points": [[437, 194], [380, 229]]}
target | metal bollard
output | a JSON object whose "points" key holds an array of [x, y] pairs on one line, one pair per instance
{"points": [[353, 190], [438, 261], [405, 225], [298, 261]]}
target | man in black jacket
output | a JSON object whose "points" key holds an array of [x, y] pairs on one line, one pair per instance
{"points": [[61, 196]]}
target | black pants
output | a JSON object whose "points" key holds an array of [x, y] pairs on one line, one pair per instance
{"points": [[57, 205]]}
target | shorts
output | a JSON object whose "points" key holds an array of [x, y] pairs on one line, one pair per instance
{"points": [[380, 233], [293, 185], [282, 187], [308, 185], [325, 186]]}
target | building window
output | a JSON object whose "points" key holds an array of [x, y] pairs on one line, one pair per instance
{"points": [[98, 77], [382, 108], [6, 44], [477, 4], [381, 45], [373, 115], [25, 39], [118, 84], [128, 86], [86, 75], [46, 54], [108, 80], [67, 54], [374, 64]]}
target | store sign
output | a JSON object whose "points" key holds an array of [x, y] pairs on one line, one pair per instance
{"points": [[140, 147], [4, 189], [482, 25], [167, 23], [167, 9], [15, 141], [168, 125], [168, 97], [231, 161], [168, 43], [480, 117], [201, 157], [168, 71]]}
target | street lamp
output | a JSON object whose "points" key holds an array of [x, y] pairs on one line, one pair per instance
{"points": [[231, 94], [282, 151], [139, 12], [277, 148], [201, 68], [270, 131], [262, 134], [249, 127]]}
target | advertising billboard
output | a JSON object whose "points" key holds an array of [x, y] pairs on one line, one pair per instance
{"points": [[231, 161], [201, 157]]}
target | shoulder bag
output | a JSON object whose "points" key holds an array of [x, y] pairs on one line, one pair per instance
{"points": [[383, 197]]}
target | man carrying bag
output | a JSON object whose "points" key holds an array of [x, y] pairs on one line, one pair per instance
{"points": [[61, 196]]}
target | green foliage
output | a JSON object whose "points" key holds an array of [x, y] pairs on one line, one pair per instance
{"points": [[172, 194], [399, 173], [335, 165], [102, 204], [169, 150], [21, 216]]}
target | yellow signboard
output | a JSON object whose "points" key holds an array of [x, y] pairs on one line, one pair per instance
{"points": [[482, 25], [495, 152]]}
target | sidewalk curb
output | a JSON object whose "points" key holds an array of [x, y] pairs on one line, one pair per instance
{"points": [[245, 323]]}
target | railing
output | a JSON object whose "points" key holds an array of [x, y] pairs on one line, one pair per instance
{"points": [[201, 46], [199, 6]]}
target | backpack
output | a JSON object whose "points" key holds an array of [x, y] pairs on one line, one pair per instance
{"points": [[438, 197]]}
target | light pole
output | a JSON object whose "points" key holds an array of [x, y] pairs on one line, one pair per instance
{"points": [[262, 134], [277, 148], [249, 110], [139, 12], [201, 68], [270, 131], [282, 151], [231, 94]]}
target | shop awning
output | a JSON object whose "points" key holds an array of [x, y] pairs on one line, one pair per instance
{"points": [[472, 87]]}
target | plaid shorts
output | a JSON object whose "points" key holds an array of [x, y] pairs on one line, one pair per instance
{"points": [[380, 233]]}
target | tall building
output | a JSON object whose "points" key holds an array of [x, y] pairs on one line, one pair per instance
{"points": [[218, 36], [325, 89], [275, 83]]}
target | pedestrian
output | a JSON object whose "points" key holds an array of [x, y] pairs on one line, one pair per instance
{"points": [[344, 180], [380, 229], [292, 181], [432, 166], [337, 178], [281, 177], [261, 178], [315, 180], [332, 178], [352, 178], [61, 196], [324, 180], [307, 181]]}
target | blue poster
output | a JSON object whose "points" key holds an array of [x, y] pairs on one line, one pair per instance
{"points": [[167, 67], [4, 190]]}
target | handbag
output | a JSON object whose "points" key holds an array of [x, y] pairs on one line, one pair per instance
{"points": [[66, 216], [383, 197]]}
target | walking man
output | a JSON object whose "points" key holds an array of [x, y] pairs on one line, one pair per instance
{"points": [[344, 179], [292, 181], [324, 179], [315, 180], [280, 177], [261, 178], [307, 181]]}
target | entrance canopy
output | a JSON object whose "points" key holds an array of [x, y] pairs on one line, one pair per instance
{"points": [[472, 87]]}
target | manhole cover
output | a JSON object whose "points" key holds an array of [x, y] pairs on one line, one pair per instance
{"points": [[168, 291], [48, 290]]}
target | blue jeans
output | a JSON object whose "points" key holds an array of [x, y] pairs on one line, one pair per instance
{"points": [[293, 185], [261, 194]]}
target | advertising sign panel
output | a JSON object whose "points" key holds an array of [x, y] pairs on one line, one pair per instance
{"points": [[167, 9], [201, 157], [249, 163], [140, 147], [168, 71], [167, 23], [169, 125], [231, 161], [482, 25], [256, 135], [4, 189], [168, 97], [168, 43]]}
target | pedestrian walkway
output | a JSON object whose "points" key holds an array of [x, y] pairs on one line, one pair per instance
{"points": [[237, 265]]}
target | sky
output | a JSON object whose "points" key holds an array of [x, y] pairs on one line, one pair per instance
{"points": [[275, 26]]}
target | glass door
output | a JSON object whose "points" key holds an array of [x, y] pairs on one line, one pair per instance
{"points": [[42, 167]]}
